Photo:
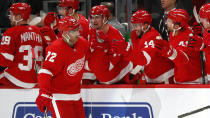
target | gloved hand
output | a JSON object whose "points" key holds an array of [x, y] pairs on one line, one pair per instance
{"points": [[165, 49], [48, 33], [50, 18], [44, 100], [195, 43], [131, 79], [206, 37], [97, 45], [101, 35], [134, 35], [197, 28], [100, 41], [121, 47]]}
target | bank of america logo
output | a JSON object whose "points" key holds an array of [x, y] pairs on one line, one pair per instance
{"points": [[118, 110]]}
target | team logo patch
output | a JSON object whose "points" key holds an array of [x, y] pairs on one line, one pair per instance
{"points": [[74, 68]]}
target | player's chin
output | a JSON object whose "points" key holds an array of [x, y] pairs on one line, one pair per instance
{"points": [[76, 38], [163, 5], [138, 32], [95, 26]]}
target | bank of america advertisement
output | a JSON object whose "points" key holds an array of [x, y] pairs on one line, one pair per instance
{"points": [[111, 102]]}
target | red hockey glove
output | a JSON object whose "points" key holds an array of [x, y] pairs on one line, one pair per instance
{"points": [[197, 28], [48, 33], [99, 44], [195, 43], [101, 35], [44, 100], [121, 47], [132, 79], [134, 35], [50, 18], [100, 41], [45, 97], [165, 49], [206, 37]]}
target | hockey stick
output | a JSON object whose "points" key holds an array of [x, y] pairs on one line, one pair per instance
{"points": [[201, 52], [194, 112], [45, 112], [196, 15], [35, 21]]}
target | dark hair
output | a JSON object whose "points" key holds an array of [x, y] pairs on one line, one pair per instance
{"points": [[110, 6]]}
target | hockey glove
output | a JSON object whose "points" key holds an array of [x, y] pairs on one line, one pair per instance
{"points": [[121, 47], [206, 37], [132, 79], [134, 35], [197, 28], [101, 35], [100, 41], [165, 49], [44, 100], [195, 43]]}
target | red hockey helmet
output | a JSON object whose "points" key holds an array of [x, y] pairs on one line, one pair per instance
{"points": [[205, 11], [69, 3], [179, 16], [141, 16], [100, 10], [50, 18], [67, 23], [22, 9]]}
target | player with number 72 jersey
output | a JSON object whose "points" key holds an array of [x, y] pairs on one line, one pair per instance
{"points": [[21, 53]]}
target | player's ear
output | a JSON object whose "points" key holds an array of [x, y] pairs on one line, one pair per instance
{"points": [[146, 25], [177, 25], [104, 17], [18, 17]]}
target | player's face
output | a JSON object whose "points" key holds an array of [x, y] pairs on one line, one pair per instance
{"points": [[169, 24], [96, 21], [205, 23], [71, 37], [70, 11], [14, 18], [167, 3], [138, 28], [62, 11]]}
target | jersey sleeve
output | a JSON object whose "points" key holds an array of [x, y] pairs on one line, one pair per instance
{"points": [[84, 26], [53, 63], [7, 49]]}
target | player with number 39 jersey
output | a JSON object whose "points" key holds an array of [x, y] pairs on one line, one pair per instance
{"points": [[21, 50]]}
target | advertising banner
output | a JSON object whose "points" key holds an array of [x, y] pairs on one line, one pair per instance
{"points": [[116, 102]]}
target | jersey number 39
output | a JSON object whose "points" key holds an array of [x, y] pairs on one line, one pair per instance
{"points": [[38, 50]]}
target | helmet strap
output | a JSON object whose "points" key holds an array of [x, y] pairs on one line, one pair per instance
{"points": [[73, 11], [66, 38], [104, 22], [174, 30], [146, 29], [16, 21]]}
